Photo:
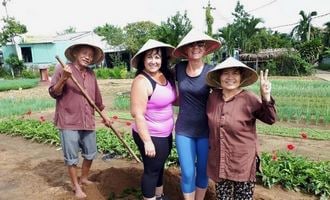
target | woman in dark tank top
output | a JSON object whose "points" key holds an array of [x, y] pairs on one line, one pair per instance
{"points": [[191, 129]]}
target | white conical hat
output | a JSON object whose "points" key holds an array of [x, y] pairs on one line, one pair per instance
{"points": [[249, 75], [195, 35], [150, 44], [98, 52]]}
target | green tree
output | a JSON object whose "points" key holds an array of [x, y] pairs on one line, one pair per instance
{"points": [[310, 50], [326, 35], [174, 29], [227, 38], [112, 34], [304, 30], [11, 29], [265, 39], [138, 33], [238, 34], [16, 64]]}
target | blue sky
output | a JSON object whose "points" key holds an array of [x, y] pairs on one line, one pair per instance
{"points": [[46, 17]]}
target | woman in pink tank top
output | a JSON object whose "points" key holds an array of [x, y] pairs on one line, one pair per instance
{"points": [[152, 94]]}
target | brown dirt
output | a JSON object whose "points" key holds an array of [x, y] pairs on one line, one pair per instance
{"points": [[36, 171]]}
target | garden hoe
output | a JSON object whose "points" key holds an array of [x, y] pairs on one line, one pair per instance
{"points": [[91, 102]]}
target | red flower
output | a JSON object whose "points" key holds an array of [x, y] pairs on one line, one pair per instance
{"points": [[303, 135], [274, 156], [128, 123], [290, 147], [115, 117], [29, 112], [42, 119]]}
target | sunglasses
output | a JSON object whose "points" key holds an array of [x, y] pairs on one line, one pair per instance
{"points": [[199, 44]]}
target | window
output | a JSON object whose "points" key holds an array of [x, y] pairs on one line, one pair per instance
{"points": [[27, 54]]}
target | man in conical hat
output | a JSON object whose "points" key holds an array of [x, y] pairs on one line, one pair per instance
{"points": [[74, 116]]}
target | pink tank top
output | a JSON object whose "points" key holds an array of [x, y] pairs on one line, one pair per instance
{"points": [[159, 113]]}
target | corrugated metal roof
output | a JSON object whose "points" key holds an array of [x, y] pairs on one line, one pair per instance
{"points": [[78, 37]]}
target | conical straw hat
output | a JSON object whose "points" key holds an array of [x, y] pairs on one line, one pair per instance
{"points": [[249, 75], [195, 35], [98, 52], [150, 44]]}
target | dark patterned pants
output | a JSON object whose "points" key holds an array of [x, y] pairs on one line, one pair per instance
{"points": [[232, 190]]}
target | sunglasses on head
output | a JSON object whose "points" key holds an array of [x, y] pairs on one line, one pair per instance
{"points": [[199, 44]]}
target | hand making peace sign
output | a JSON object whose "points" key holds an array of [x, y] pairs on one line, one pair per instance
{"points": [[265, 85]]}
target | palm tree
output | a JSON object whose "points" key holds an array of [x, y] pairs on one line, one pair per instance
{"points": [[228, 38], [304, 29]]}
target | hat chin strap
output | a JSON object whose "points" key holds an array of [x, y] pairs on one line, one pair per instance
{"points": [[240, 85]]}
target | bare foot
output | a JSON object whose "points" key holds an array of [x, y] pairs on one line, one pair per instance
{"points": [[79, 194], [85, 181]]}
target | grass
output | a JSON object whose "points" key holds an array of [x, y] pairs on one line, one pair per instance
{"points": [[301, 100], [11, 107], [18, 84], [294, 132]]}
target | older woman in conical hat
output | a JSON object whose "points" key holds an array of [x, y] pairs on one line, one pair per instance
{"points": [[152, 94], [191, 130], [232, 113]]}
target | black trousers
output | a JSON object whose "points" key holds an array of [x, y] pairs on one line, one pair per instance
{"points": [[153, 171]]}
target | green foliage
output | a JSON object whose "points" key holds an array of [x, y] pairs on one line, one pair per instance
{"points": [[326, 35], [292, 172], [289, 131], [265, 39], [301, 101], [115, 73], [108, 142], [102, 73], [324, 66], [17, 84], [16, 64], [51, 70], [122, 102], [238, 34], [39, 131], [30, 73], [15, 106], [289, 64], [174, 29], [128, 193], [138, 33], [304, 29], [114, 35], [310, 50], [296, 173], [10, 29], [4, 72]]}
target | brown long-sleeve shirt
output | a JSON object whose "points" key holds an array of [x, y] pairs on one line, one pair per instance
{"points": [[72, 109], [233, 139]]}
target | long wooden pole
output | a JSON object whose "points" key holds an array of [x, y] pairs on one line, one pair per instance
{"points": [[91, 102]]}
